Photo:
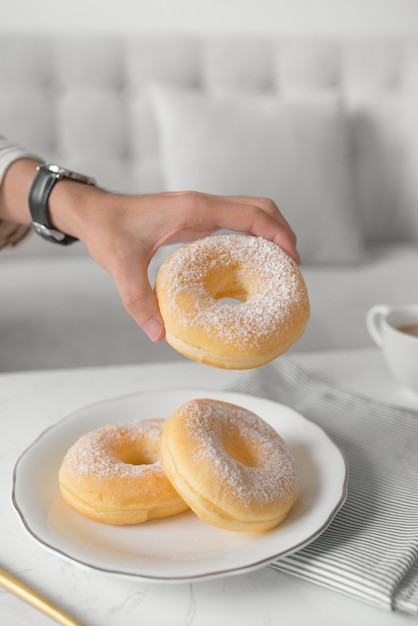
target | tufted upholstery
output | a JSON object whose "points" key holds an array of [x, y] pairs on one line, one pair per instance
{"points": [[82, 101]]}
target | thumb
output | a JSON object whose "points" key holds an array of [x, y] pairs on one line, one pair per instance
{"points": [[139, 299]]}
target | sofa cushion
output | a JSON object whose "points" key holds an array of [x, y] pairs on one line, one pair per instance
{"points": [[292, 149]]}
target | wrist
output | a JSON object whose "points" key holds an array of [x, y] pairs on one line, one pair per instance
{"points": [[71, 205], [42, 203]]}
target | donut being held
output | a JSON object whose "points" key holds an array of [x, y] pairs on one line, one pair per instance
{"points": [[270, 314], [231, 467], [114, 475]]}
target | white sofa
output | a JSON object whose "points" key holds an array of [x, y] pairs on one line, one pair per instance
{"points": [[328, 128]]}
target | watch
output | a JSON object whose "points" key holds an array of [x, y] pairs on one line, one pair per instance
{"points": [[46, 177]]}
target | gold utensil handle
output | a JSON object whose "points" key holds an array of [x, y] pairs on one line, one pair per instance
{"points": [[26, 593]]}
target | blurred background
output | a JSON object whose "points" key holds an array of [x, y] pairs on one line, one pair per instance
{"points": [[311, 103], [269, 17]]}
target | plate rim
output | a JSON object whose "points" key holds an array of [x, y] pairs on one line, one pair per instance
{"points": [[233, 570]]}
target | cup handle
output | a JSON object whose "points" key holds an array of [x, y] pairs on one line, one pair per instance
{"points": [[374, 319]]}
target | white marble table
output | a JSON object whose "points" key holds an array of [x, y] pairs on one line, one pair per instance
{"points": [[32, 401]]}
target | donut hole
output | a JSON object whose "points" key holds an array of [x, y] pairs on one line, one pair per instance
{"points": [[139, 454], [231, 293], [227, 300], [242, 450]]}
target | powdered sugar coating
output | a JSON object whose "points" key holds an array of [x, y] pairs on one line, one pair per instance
{"points": [[101, 453], [251, 464], [267, 281]]}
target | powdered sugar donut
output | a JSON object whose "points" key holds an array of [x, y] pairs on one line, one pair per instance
{"points": [[270, 312], [231, 467], [114, 475]]}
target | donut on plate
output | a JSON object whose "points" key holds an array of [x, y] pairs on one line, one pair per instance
{"points": [[114, 475], [231, 467]]}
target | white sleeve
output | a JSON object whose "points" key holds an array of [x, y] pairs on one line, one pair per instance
{"points": [[11, 234], [10, 152]]}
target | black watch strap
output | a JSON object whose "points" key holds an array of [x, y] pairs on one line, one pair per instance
{"points": [[46, 177]]}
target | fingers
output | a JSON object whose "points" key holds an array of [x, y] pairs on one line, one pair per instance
{"points": [[178, 217], [259, 217]]}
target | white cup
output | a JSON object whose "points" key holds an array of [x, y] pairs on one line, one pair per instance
{"points": [[400, 348]]}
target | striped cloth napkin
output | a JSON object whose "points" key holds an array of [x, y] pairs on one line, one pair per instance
{"points": [[370, 550]]}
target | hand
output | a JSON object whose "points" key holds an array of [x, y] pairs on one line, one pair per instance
{"points": [[122, 233]]}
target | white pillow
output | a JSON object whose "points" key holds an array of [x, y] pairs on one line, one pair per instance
{"points": [[292, 150]]}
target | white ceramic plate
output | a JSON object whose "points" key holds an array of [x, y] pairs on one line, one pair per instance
{"points": [[179, 548]]}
